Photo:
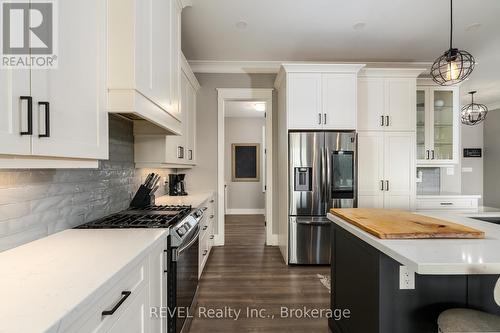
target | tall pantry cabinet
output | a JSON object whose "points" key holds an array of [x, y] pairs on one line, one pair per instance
{"points": [[386, 138]]}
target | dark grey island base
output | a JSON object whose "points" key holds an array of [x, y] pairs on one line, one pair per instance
{"points": [[366, 281]]}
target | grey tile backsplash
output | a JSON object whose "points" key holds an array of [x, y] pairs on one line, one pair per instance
{"points": [[431, 181], [36, 203]]}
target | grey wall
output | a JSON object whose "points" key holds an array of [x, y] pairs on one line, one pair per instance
{"points": [[36, 203], [203, 176], [243, 195], [492, 159]]}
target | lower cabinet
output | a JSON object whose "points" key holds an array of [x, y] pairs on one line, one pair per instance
{"points": [[386, 174], [207, 233], [126, 306], [457, 203]]}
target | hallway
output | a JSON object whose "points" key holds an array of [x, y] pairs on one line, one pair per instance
{"points": [[246, 274]]}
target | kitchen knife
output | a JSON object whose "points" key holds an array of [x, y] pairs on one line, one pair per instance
{"points": [[150, 183], [148, 178], [154, 189], [155, 181]]}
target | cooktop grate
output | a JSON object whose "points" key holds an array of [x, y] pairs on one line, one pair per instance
{"points": [[148, 217]]}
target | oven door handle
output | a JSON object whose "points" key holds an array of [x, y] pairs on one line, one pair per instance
{"points": [[191, 242]]}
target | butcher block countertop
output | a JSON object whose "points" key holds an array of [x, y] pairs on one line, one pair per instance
{"points": [[398, 224], [438, 256]]}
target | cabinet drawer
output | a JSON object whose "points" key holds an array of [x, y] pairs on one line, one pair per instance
{"points": [[447, 204], [92, 320]]}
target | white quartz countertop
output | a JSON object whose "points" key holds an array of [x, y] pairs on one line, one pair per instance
{"points": [[440, 256], [194, 199], [43, 281]]}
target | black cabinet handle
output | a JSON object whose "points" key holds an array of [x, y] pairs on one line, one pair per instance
{"points": [[324, 118], [205, 252], [381, 185], [46, 105], [428, 154], [386, 120], [180, 152], [387, 185], [190, 154], [433, 154], [205, 227], [125, 295], [30, 114], [381, 120], [319, 118]]}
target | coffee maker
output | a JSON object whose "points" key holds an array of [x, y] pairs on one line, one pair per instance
{"points": [[176, 185]]}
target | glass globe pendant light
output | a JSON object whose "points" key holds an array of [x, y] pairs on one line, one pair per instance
{"points": [[473, 113], [454, 65]]}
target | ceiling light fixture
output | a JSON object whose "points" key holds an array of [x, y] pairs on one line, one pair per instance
{"points": [[359, 26], [454, 65], [241, 25], [261, 107], [473, 113]]}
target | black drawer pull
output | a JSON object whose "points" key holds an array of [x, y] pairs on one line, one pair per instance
{"points": [[47, 119], [30, 114], [446, 203], [125, 295]]}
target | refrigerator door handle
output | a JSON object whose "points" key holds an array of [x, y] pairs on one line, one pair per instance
{"points": [[323, 176], [328, 179]]}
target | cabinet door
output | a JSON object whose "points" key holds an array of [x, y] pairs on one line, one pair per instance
{"points": [[339, 101], [135, 317], [371, 107], [423, 122], [175, 67], [76, 90], [176, 145], [399, 170], [191, 139], [445, 126], [400, 104], [370, 169], [14, 83], [304, 101]]}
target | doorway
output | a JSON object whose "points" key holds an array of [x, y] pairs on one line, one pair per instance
{"points": [[244, 171]]}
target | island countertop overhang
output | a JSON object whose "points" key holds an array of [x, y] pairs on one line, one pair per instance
{"points": [[439, 256]]}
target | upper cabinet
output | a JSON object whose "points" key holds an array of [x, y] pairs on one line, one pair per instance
{"points": [[437, 124], [144, 61], [155, 149], [321, 96], [59, 112], [386, 99]]}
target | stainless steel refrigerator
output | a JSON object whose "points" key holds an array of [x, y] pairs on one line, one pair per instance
{"points": [[323, 174]]}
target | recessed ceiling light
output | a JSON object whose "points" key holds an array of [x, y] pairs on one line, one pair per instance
{"points": [[473, 27], [359, 26], [241, 25], [261, 107]]}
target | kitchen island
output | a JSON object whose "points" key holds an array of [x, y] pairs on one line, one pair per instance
{"points": [[448, 273]]}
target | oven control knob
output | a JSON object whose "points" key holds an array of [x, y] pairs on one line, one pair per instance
{"points": [[181, 232]]}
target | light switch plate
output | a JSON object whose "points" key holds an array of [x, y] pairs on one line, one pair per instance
{"points": [[406, 278], [450, 171]]}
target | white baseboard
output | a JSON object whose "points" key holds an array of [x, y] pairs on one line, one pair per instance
{"points": [[273, 240], [237, 211]]}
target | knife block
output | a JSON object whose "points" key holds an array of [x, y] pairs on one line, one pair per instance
{"points": [[143, 198]]}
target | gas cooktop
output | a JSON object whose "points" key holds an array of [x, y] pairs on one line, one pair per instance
{"points": [[146, 217]]}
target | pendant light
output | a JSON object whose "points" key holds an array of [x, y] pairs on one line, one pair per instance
{"points": [[454, 65], [473, 113]]}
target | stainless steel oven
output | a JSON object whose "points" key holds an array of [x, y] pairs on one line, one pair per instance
{"points": [[183, 274]]}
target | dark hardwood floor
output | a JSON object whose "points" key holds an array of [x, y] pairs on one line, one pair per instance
{"points": [[246, 274]]}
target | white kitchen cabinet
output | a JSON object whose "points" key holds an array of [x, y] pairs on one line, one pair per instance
{"points": [[75, 92], [304, 101], [386, 176], [68, 113], [14, 83], [144, 60], [322, 101], [438, 125], [386, 99], [155, 149], [464, 203], [207, 233], [135, 316]]}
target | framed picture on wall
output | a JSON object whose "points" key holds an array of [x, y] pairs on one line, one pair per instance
{"points": [[245, 162]]}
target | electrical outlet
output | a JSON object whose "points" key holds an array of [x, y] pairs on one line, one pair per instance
{"points": [[406, 278]]}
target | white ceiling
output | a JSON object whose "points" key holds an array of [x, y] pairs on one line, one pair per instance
{"points": [[242, 110], [323, 30]]}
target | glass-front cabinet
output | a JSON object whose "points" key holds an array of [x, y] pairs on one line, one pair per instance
{"points": [[438, 125]]}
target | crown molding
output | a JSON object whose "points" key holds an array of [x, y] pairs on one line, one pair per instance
{"points": [[235, 67], [273, 67], [185, 3], [391, 72], [494, 106], [189, 72]]}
